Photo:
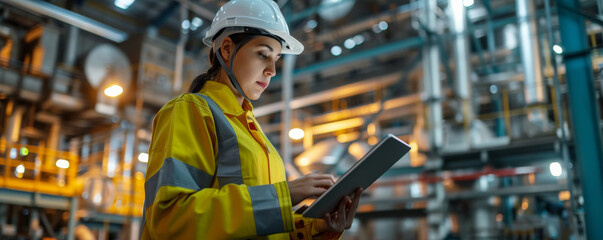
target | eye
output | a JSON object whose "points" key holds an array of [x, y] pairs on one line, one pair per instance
{"points": [[262, 56]]}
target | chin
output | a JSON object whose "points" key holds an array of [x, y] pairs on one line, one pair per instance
{"points": [[255, 96]]}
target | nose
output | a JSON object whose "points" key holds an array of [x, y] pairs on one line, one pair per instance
{"points": [[270, 70]]}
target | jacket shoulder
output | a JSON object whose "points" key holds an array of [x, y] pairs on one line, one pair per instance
{"points": [[185, 99]]}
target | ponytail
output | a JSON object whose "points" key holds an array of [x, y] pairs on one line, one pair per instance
{"points": [[211, 73]]}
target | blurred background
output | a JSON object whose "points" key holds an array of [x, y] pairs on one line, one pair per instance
{"points": [[500, 100]]}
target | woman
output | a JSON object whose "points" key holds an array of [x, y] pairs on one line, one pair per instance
{"points": [[212, 173]]}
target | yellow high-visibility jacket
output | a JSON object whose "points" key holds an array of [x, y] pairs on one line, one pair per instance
{"points": [[188, 197]]}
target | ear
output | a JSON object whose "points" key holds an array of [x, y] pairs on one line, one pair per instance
{"points": [[226, 49]]}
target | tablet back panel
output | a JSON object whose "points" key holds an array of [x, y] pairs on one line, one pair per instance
{"points": [[378, 160]]}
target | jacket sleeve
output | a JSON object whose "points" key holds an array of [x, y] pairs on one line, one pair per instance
{"points": [[305, 229], [182, 200]]}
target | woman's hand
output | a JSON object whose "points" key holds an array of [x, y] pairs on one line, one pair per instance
{"points": [[311, 185], [343, 217]]}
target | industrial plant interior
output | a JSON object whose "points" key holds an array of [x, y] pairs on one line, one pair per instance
{"points": [[500, 101]]}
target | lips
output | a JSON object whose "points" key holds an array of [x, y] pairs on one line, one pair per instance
{"points": [[263, 84]]}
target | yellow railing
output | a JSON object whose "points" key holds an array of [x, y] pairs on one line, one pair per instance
{"points": [[35, 169], [129, 196], [507, 113]]}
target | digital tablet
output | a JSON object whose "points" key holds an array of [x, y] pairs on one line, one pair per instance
{"points": [[366, 170]]}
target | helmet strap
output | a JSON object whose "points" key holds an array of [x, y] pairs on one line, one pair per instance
{"points": [[229, 69]]}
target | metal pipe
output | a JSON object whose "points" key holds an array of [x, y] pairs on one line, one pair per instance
{"points": [[71, 54], [530, 57], [463, 86], [584, 113], [431, 73], [288, 65], [80, 21]]}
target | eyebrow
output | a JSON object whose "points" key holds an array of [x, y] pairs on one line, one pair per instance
{"points": [[268, 46]]}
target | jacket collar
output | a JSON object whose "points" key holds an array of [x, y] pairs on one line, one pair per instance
{"points": [[225, 98]]}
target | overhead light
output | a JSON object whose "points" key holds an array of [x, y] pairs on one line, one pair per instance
{"points": [[97, 199], [383, 25], [335, 9], [468, 3], [143, 157], [310, 25], [376, 28], [556, 169], [349, 43], [336, 50], [13, 153], [371, 129], [296, 134], [123, 4], [525, 204], [373, 140], [114, 91], [558, 49], [347, 137], [19, 171], [339, 125], [196, 23], [358, 39], [186, 24], [303, 162], [62, 163], [24, 151], [493, 89]]}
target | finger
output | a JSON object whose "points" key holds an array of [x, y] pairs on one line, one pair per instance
{"points": [[315, 191], [341, 213], [356, 199], [353, 207], [325, 183], [322, 176], [329, 221]]}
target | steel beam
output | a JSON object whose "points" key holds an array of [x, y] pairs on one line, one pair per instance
{"points": [[61, 14], [199, 10], [328, 95], [584, 113], [32, 199], [508, 191], [351, 58]]}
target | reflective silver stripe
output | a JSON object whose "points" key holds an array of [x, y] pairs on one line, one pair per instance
{"points": [[229, 161], [174, 173], [266, 210]]}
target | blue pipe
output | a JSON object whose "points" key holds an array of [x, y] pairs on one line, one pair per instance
{"points": [[584, 112]]}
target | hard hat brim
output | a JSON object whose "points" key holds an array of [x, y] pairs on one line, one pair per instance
{"points": [[290, 44]]}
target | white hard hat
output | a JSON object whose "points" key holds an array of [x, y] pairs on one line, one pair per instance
{"points": [[260, 14]]}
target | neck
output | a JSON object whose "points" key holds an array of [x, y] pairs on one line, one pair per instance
{"points": [[223, 78]]}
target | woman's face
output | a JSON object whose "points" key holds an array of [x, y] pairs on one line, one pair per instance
{"points": [[254, 65]]}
